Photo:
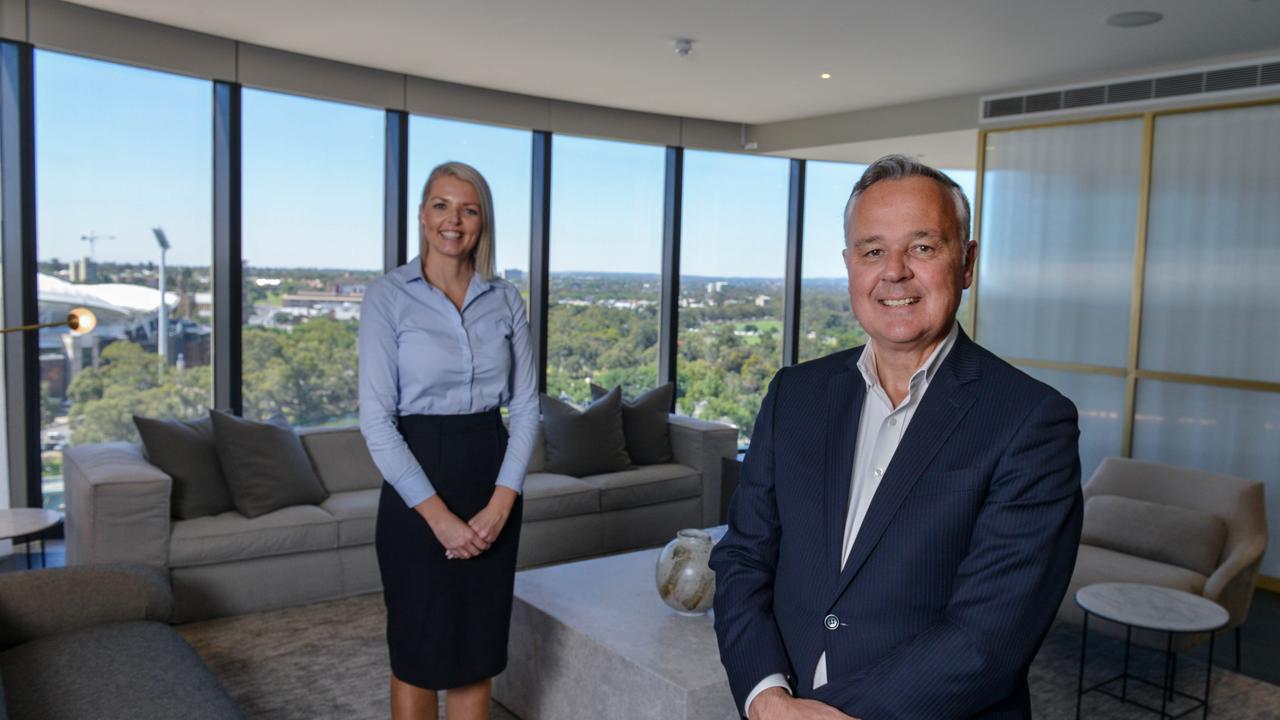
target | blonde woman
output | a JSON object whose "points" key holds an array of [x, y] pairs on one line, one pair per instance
{"points": [[443, 344]]}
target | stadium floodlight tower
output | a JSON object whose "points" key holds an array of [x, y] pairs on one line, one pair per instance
{"points": [[162, 347]]}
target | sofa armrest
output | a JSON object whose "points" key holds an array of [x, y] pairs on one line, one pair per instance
{"points": [[701, 445], [117, 506], [37, 603], [1232, 584]]}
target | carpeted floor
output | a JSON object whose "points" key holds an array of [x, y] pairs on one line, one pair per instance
{"points": [[329, 660]]}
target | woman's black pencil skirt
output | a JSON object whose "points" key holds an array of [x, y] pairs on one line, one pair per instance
{"points": [[447, 620]]}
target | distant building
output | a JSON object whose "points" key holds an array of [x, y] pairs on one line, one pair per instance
{"points": [[716, 286], [84, 270], [347, 286], [515, 276], [763, 300]]}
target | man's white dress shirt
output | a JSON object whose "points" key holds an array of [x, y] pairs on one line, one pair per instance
{"points": [[880, 431]]}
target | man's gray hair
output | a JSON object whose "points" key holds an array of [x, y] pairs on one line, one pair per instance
{"points": [[901, 167]]}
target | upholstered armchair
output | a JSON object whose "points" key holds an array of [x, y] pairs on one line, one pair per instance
{"points": [[1177, 527]]}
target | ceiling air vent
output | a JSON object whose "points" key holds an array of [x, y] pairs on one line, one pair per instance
{"points": [[1004, 108], [1131, 91], [1135, 90], [1084, 97], [1044, 102], [1231, 78], [1176, 85]]}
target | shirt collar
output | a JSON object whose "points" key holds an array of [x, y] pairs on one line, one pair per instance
{"points": [[867, 362], [411, 272]]}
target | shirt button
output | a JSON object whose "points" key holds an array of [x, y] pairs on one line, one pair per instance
{"points": [[831, 621], [878, 472], [893, 421]]}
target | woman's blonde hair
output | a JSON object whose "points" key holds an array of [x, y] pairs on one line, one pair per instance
{"points": [[482, 257]]}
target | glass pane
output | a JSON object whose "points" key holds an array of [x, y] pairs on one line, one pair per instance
{"points": [[826, 320], [1210, 293], [503, 156], [313, 184], [606, 265], [1059, 218], [733, 257], [1222, 430], [1099, 400], [122, 155]]}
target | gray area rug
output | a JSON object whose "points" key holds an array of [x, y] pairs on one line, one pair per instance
{"points": [[329, 660]]}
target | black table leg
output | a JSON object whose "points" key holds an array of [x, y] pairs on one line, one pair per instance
{"points": [[1084, 645], [1124, 679], [44, 561], [26, 550], [1168, 661], [1208, 674]]}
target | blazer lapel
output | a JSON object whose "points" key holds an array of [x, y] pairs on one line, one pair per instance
{"points": [[845, 394], [941, 410]]}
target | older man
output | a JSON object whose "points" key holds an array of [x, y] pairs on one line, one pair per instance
{"points": [[909, 511]]}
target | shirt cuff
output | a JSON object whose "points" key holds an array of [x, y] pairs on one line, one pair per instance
{"points": [[774, 680], [414, 489]]}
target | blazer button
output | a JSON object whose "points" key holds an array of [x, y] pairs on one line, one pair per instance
{"points": [[831, 621]]}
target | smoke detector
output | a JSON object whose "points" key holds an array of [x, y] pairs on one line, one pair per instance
{"points": [[683, 46]]}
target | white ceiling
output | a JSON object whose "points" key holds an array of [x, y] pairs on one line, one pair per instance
{"points": [[955, 150], [753, 61]]}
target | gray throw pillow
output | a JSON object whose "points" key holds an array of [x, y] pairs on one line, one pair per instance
{"points": [[587, 442], [644, 423], [265, 465], [1170, 534], [185, 450]]}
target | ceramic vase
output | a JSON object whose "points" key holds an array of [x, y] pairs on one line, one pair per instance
{"points": [[685, 581]]}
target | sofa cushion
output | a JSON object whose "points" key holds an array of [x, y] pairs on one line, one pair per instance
{"points": [[646, 485], [547, 496], [125, 670], [586, 442], [1099, 565], [1174, 535], [357, 515], [185, 450], [644, 424], [264, 464], [341, 459], [232, 536]]}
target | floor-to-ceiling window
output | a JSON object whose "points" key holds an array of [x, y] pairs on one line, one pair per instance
{"points": [[123, 213], [605, 262], [826, 320], [313, 234], [732, 265]]}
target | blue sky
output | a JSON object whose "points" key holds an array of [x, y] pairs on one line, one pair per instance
{"points": [[121, 150]]}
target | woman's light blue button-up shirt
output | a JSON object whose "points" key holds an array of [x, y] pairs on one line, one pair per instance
{"points": [[420, 356]]}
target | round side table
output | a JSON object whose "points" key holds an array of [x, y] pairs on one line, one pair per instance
{"points": [[1149, 607], [24, 524]]}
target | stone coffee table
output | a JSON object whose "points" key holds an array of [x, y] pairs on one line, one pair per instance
{"points": [[592, 639]]}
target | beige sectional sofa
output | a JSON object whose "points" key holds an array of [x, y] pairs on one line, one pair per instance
{"points": [[118, 510]]}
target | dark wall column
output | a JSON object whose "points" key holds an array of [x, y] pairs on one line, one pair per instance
{"points": [[795, 248], [396, 199], [228, 273], [669, 317], [18, 242], [540, 251]]}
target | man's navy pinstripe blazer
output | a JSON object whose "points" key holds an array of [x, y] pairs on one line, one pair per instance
{"points": [[957, 571]]}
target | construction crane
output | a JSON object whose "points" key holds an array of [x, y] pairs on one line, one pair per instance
{"points": [[92, 238]]}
